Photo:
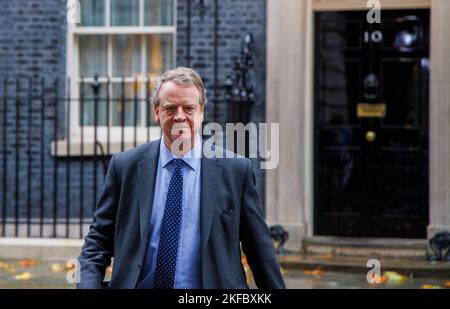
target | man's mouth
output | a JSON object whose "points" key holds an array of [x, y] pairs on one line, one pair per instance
{"points": [[180, 129]]}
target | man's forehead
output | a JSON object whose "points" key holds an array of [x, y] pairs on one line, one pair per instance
{"points": [[170, 87], [179, 94]]}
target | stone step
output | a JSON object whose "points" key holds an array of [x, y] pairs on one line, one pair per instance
{"points": [[366, 247], [327, 262]]}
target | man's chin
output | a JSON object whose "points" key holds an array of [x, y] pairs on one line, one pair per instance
{"points": [[184, 137]]}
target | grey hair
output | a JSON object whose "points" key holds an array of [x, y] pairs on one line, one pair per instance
{"points": [[180, 76]]}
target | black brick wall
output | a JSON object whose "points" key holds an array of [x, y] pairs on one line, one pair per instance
{"points": [[32, 38]]}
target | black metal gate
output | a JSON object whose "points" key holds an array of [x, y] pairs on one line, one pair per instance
{"points": [[371, 124]]}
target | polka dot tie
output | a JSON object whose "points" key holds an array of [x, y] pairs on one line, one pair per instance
{"points": [[170, 231]]}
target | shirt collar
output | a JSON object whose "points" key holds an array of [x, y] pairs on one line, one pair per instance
{"points": [[191, 158]]}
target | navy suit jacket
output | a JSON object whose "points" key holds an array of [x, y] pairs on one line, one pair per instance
{"points": [[230, 215]]}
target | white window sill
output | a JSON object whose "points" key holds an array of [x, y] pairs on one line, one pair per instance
{"points": [[75, 148]]}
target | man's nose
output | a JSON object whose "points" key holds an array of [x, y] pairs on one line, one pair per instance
{"points": [[179, 115]]}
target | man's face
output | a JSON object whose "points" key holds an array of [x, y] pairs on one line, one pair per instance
{"points": [[179, 114]]}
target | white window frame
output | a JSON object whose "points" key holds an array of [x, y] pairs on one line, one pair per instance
{"points": [[72, 71]]}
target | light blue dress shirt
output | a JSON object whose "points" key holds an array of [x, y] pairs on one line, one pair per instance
{"points": [[188, 269]]}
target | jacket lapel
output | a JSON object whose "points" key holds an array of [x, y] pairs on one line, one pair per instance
{"points": [[210, 182], [146, 178]]}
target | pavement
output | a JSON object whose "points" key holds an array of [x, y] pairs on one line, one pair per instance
{"points": [[411, 267], [327, 271], [299, 272]]}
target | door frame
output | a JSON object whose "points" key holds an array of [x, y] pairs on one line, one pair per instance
{"points": [[345, 5], [290, 65]]}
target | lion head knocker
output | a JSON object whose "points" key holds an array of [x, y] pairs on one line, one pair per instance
{"points": [[440, 245], [280, 236]]}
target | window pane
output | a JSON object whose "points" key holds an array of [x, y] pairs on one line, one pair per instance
{"points": [[158, 12], [126, 55], [124, 12], [93, 56], [159, 53], [126, 105], [87, 117], [92, 13]]}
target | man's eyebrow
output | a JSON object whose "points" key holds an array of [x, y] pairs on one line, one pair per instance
{"points": [[168, 103], [184, 102]]}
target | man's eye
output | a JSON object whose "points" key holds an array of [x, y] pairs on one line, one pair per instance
{"points": [[169, 110]]}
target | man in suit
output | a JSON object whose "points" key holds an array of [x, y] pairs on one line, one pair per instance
{"points": [[173, 218]]}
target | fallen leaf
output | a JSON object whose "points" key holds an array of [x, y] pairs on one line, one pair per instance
{"points": [[4, 266], [314, 272], [244, 263], [8, 267], [70, 265], [377, 279], [430, 287], [26, 262], [393, 277], [248, 272], [109, 270], [56, 268], [23, 276]]}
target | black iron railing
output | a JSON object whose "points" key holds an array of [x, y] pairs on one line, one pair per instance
{"points": [[53, 160]]}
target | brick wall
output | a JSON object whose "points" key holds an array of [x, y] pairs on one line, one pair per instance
{"points": [[32, 38]]}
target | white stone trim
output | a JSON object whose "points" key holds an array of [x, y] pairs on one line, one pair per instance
{"points": [[72, 71], [340, 5]]}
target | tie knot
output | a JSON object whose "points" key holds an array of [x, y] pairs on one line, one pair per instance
{"points": [[178, 163]]}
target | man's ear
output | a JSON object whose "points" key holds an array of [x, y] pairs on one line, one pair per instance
{"points": [[155, 110], [203, 113]]}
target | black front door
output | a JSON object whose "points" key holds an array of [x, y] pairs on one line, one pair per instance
{"points": [[371, 124]]}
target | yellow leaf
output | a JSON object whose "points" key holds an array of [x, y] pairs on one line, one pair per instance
{"points": [[4, 266], [109, 270], [8, 267], [392, 276], [70, 265], [430, 287], [315, 272], [23, 276], [56, 268]]}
